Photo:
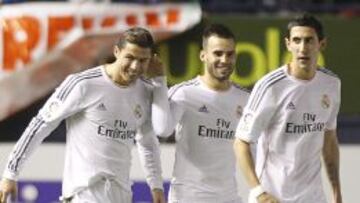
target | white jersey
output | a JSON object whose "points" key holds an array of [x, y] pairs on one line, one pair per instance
{"points": [[204, 169], [290, 116], [102, 119]]}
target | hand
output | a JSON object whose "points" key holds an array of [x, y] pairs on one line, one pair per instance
{"points": [[158, 196], [155, 68], [267, 198], [7, 188]]}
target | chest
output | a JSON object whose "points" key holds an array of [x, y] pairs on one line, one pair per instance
{"points": [[221, 111], [120, 110], [307, 104]]}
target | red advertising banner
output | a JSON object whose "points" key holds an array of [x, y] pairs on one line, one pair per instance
{"points": [[41, 43]]}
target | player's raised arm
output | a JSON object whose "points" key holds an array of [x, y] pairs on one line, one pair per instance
{"points": [[160, 106]]}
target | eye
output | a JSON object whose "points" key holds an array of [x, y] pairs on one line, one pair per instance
{"points": [[296, 40], [309, 40], [218, 53], [143, 60], [129, 57], [230, 54]]}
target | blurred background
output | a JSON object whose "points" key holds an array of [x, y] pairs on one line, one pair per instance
{"points": [[41, 42]]}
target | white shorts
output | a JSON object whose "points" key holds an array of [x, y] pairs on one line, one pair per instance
{"points": [[182, 194], [203, 201], [104, 190]]}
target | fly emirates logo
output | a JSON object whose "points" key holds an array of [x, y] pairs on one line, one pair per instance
{"points": [[221, 130], [309, 125], [119, 131]]}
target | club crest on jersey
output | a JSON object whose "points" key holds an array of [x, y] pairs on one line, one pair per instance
{"points": [[325, 101], [247, 119], [239, 111], [138, 112], [51, 109], [203, 109]]}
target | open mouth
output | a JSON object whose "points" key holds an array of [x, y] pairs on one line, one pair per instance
{"points": [[303, 58], [224, 68]]}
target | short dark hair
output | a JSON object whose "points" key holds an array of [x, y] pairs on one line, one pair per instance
{"points": [[307, 20], [218, 30], [138, 36]]}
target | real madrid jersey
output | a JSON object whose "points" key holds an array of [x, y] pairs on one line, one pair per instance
{"points": [[101, 121], [290, 116], [204, 169]]}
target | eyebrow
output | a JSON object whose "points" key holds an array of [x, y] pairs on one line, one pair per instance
{"points": [[223, 51], [308, 37]]}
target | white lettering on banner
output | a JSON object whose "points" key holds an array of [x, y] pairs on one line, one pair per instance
{"points": [[28, 31]]}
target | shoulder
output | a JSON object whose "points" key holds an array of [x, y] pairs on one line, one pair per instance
{"points": [[272, 78], [328, 74], [274, 75], [85, 76], [145, 82], [182, 87], [240, 88], [78, 81]]}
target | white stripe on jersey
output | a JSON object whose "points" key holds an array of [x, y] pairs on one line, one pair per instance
{"points": [[268, 82], [66, 89], [177, 87], [36, 124]]}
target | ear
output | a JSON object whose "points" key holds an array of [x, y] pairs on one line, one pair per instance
{"points": [[287, 43], [202, 55], [116, 51], [323, 44]]}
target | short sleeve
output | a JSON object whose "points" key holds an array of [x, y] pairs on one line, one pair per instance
{"points": [[331, 123], [257, 114]]}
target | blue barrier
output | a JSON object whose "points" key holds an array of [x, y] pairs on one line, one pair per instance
{"points": [[49, 192]]}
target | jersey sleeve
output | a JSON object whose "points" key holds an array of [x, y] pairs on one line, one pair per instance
{"points": [[160, 109], [331, 124], [149, 155], [176, 103], [64, 102], [257, 114]]}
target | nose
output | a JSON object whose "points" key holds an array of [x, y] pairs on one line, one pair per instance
{"points": [[302, 46], [135, 65], [224, 59]]}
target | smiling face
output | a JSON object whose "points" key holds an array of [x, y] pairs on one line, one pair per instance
{"points": [[305, 46], [219, 57], [131, 62]]}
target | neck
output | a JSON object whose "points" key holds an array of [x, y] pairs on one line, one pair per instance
{"points": [[215, 84], [301, 73], [110, 70]]}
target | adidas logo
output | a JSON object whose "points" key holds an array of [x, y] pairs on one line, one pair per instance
{"points": [[290, 106], [101, 107], [203, 109]]}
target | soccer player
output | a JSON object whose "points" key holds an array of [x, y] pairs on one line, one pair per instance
{"points": [[104, 107], [293, 112], [205, 112]]}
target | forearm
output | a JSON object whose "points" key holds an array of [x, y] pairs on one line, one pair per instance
{"points": [[331, 160], [246, 162], [32, 137], [151, 164], [149, 155]]}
